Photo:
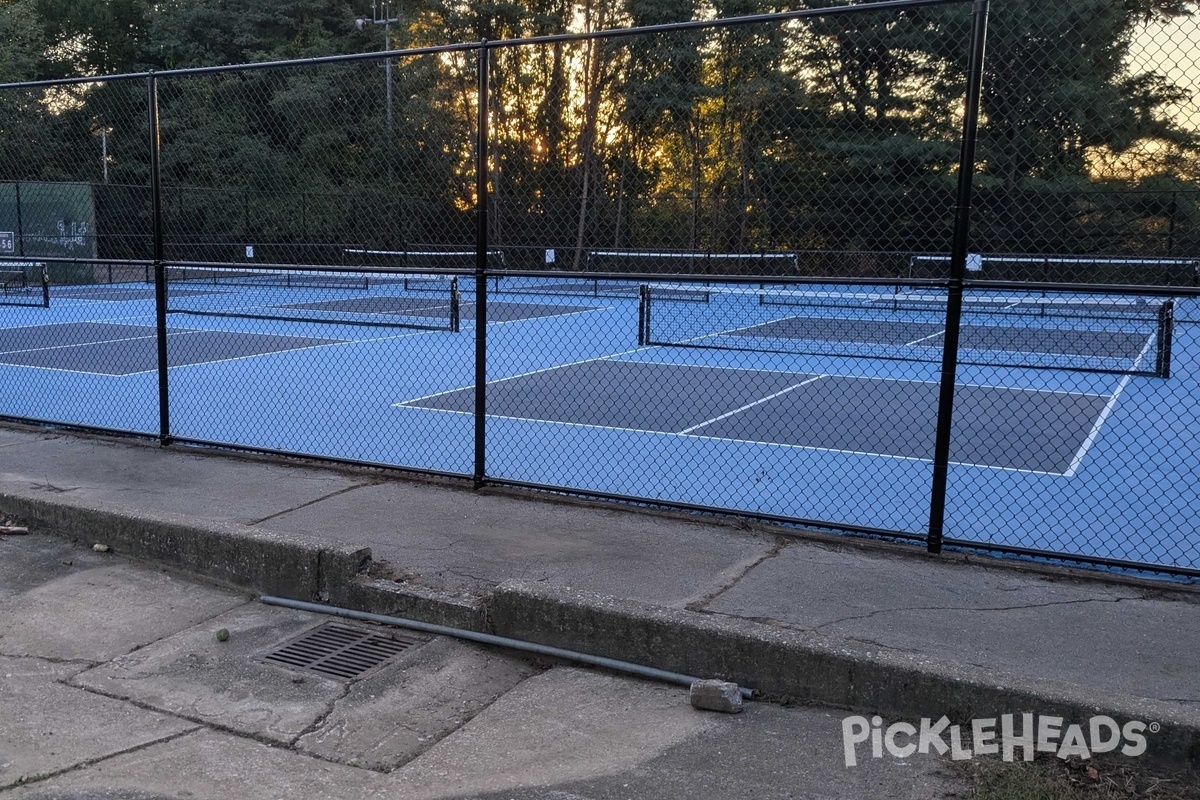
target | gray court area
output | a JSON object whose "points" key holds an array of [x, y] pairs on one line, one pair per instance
{"points": [[116, 294], [111, 349], [622, 394], [833, 329], [990, 338], [994, 426], [438, 307]]}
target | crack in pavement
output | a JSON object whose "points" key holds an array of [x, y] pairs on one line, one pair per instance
{"points": [[50, 487], [207, 724], [1022, 607], [321, 718], [52, 659], [731, 576], [27, 780], [320, 499]]}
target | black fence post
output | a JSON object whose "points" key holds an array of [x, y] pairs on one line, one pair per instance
{"points": [[160, 270], [481, 268], [958, 268]]}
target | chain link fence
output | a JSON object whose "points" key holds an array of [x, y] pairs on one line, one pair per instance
{"points": [[733, 265]]}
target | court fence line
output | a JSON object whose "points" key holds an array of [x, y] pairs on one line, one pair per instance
{"points": [[490, 275]]}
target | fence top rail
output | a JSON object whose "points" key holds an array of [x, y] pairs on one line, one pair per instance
{"points": [[612, 33], [1087, 288]]}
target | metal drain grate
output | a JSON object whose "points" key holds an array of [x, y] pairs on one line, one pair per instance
{"points": [[337, 651]]}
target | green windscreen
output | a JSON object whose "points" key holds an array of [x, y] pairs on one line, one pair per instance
{"points": [[42, 219]]}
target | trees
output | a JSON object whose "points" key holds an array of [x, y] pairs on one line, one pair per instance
{"points": [[836, 133], [1061, 98]]}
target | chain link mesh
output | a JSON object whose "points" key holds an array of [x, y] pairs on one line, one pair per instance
{"points": [[715, 264]]}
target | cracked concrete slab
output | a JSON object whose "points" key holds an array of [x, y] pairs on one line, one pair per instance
{"points": [[13, 436], [194, 675], [209, 765], [392, 716], [1104, 636], [97, 614], [571, 733], [459, 541], [47, 727], [139, 476], [562, 726], [766, 751], [29, 561]]}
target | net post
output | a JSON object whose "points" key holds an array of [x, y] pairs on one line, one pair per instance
{"points": [[958, 266], [160, 272], [481, 265], [454, 306], [1166, 330], [643, 314]]}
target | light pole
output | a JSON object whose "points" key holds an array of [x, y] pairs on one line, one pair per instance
{"points": [[381, 14], [103, 130]]}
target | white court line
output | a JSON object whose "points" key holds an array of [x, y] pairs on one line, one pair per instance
{"points": [[524, 374], [240, 358], [689, 431], [600, 358], [1103, 417], [749, 406], [810, 448], [177, 333], [89, 344], [971, 385], [924, 338]]}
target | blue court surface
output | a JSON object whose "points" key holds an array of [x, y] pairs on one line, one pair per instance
{"points": [[818, 404]]}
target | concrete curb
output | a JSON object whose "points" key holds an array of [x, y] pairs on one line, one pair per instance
{"points": [[412, 602], [289, 565], [778, 662], [814, 668]]}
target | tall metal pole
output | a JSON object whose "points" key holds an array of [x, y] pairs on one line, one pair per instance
{"points": [[481, 265], [958, 268], [387, 66], [20, 221], [160, 271]]}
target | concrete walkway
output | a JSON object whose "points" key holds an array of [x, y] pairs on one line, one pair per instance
{"points": [[116, 685], [838, 622]]}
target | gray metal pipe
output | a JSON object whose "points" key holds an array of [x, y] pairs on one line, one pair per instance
{"points": [[499, 641]]}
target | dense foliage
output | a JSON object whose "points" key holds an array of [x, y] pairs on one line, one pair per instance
{"points": [[835, 134]]}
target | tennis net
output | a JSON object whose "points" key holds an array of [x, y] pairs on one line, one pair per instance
{"points": [[1145, 270], [683, 262], [1121, 335], [376, 298], [568, 285], [24, 284]]}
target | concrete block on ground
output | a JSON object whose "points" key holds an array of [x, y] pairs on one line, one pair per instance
{"points": [[716, 695], [817, 669]]}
